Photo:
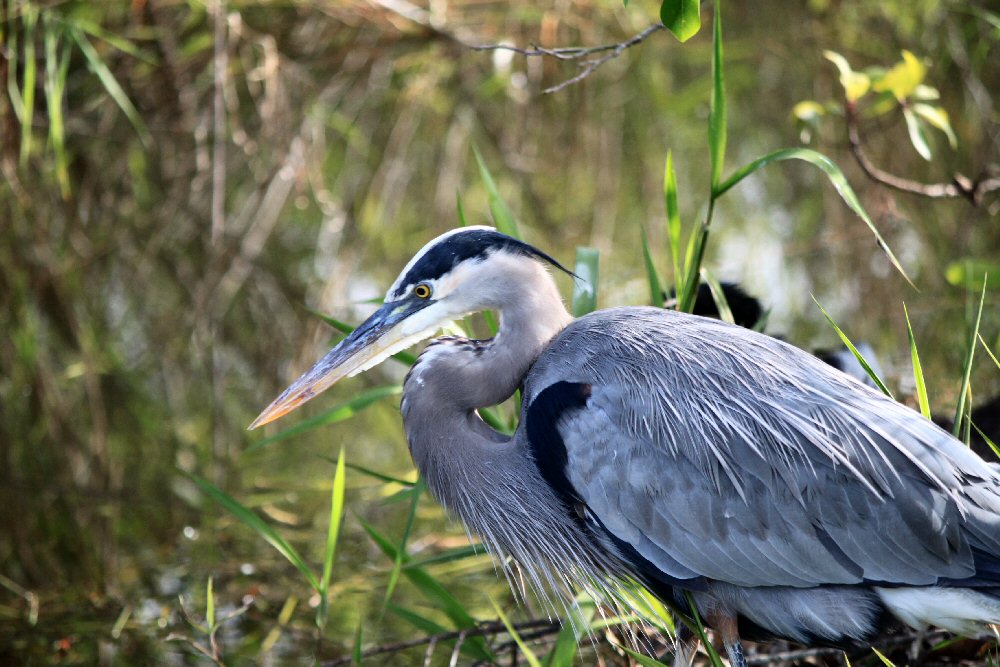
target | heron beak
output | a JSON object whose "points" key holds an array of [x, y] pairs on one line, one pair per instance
{"points": [[388, 331]]}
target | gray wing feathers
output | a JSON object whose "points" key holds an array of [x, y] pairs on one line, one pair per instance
{"points": [[720, 452]]}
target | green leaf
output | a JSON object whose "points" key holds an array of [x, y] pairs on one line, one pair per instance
{"points": [[970, 354], [585, 286], [580, 619], [460, 210], [655, 290], [918, 372], [210, 606], [29, 20], [938, 118], [673, 214], [681, 17], [808, 111], [717, 106], [378, 475], [973, 274], [107, 79], [718, 295], [836, 178], [886, 661], [258, 525], [857, 355], [357, 655], [502, 217], [855, 84], [448, 556], [401, 555], [916, 132], [332, 531], [528, 654], [699, 629], [643, 660], [904, 77], [425, 625], [337, 413]]}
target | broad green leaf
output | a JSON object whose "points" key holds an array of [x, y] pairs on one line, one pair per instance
{"points": [[904, 77], [332, 532], [973, 274], [655, 289], [918, 372], [855, 84], [717, 105], [258, 525], [673, 215], [526, 651], [338, 413], [970, 353], [836, 178], [585, 266], [938, 118], [502, 217], [681, 17], [857, 355], [916, 132]]}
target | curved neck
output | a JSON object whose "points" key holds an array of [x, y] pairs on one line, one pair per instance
{"points": [[452, 378]]}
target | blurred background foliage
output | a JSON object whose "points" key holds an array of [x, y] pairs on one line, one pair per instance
{"points": [[183, 181]]}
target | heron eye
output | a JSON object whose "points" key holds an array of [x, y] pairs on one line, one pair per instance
{"points": [[422, 291]]}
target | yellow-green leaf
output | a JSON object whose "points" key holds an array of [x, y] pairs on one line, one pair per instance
{"points": [[855, 84], [681, 17], [937, 117], [808, 110], [904, 77]]}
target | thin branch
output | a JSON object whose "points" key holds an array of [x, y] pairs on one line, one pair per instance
{"points": [[610, 51], [422, 17], [494, 628], [961, 186]]}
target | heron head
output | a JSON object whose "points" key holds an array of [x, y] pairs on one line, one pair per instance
{"points": [[458, 273]]}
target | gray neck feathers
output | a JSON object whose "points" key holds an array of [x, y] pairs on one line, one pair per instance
{"points": [[489, 480]]}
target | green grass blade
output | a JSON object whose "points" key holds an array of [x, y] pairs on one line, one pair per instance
{"points": [[673, 215], [833, 174], [886, 661], [209, 606], [401, 555], [110, 83], [681, 17], [688, 291], [422, 623], [655, 289], [992, 445], [585, 286], [718, 295], [581, 618], [460, 210], [989, 352], [918, 372], [332, 533], [29, 20], [643, 660], [717, 105], [56, 68], [960, 409], [389, 479], [857, 355], [528, 654], [258, 525], [357, 654], [338, 413], [699, 629], [448, 556], [502, 217]]}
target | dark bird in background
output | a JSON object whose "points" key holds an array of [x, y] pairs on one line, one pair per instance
{"points": [[705, 460]]}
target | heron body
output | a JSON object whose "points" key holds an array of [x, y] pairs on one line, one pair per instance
{"points": [[700, 458]]}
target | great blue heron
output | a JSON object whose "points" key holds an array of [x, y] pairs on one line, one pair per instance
{"points": [[700, 458]]}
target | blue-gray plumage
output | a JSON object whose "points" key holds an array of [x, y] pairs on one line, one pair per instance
{"points": [[698, 457]]}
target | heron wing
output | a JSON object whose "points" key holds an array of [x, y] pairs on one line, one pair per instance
{"points": [[718, 452]]}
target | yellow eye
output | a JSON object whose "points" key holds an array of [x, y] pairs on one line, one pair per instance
{"points": [[422, 291]]}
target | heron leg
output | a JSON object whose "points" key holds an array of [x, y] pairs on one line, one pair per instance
{"points": [[725, 625]]}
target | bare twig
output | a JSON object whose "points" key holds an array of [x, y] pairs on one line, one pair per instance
{"points": [[961, 186], [485, 629], [422, 17]]}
